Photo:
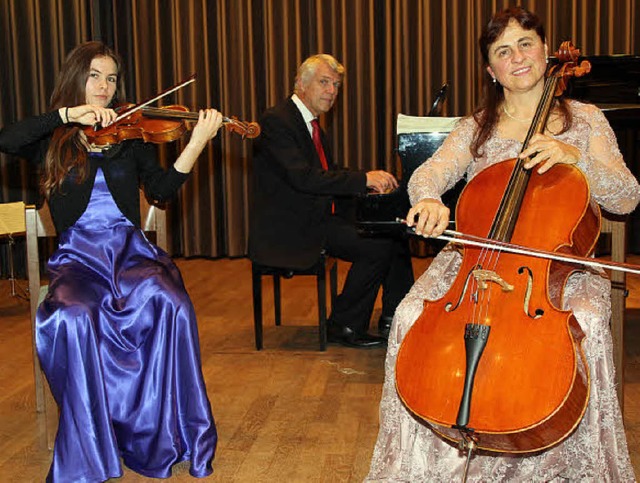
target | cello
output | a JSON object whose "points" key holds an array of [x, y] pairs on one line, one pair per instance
{"points": [[495, 363]]}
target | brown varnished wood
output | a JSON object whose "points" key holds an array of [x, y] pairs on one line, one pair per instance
{"points": [[159, 125], [514, 408]]}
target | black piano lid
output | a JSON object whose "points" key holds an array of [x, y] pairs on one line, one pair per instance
{"points": [[613, 80], [614, 86]]}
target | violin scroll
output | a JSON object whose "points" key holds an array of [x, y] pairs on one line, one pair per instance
{"points": [[249, 130]]}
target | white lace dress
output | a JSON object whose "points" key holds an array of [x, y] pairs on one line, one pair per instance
{"points": [[407, 449]]}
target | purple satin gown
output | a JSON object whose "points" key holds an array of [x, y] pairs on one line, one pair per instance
{"points": [[118, 341]]}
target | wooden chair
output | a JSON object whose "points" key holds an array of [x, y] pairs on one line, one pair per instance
{"points": [[12, 225], [39, 224], [420, 137], [154, 221], [319, 270]]}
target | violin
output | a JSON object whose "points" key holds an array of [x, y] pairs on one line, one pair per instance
{"points": [[496, 364], [158, 125]]}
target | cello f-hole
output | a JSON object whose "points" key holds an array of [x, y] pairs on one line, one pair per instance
{"points": [[449, 306], [527, 295]]}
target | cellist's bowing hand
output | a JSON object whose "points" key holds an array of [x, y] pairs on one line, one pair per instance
{"points": [[546, 151], [429, 217], [88, 115], [209, 121]]}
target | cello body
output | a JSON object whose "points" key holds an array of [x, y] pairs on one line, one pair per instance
{"points": [[528, 385]]}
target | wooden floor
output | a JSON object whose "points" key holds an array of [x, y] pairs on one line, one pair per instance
{"points": [[289, 413]]}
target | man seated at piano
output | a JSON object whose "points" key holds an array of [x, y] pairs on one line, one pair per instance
{"points": [[594, 448], [300, 207]]}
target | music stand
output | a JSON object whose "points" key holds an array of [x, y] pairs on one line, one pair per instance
{"points": [[12, 223]]}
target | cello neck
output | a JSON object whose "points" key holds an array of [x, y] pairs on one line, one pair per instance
{"points": [[555, 84], [507, 215]]}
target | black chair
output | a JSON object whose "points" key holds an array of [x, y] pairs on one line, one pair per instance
{"points": [[319, 270]]}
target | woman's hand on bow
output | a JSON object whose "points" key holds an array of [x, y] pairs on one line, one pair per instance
{"points": [[546, 151], [429, 217], [88, 115]]}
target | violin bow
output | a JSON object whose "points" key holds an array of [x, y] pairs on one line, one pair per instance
{"points": [[478, 241], [188, 81]]}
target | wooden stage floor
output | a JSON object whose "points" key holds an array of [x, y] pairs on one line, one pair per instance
{"points": [[289, 413]]}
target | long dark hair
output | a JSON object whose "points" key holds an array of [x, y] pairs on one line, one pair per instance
{"points": [[486, 114], [66, 150]]}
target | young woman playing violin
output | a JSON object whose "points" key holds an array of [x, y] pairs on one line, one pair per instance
{"points": [[514, 51], [116, 335]]}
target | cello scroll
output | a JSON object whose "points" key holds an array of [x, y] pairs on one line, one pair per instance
{"points": [[568, 67]]}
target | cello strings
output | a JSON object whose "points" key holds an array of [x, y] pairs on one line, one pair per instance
{"points": [[489, 257]]}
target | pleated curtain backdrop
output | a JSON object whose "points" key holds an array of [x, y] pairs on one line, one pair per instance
{"points": [[397, 54]]}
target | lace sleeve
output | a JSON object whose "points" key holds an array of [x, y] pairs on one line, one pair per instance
{"points": [[612, 185], [447, 166]]}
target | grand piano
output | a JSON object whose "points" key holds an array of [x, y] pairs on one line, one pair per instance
{"points": [[614, 86]]}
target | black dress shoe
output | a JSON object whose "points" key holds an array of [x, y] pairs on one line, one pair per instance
{"points": [[384, 325], [350, 338]]}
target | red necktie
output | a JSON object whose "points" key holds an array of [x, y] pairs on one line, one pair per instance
{"points": [[315, 134]]}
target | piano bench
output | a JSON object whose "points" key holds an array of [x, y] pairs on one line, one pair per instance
{"points": [[318, 270]]}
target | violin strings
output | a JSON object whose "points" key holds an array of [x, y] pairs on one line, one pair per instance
{"points": [[159, 96], [193, 116], [169, 113]]}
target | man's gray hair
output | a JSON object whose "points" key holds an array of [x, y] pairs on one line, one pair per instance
{"points": [[309, 66]]}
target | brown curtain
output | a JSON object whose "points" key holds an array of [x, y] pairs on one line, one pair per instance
{"points": [[245, 53]]}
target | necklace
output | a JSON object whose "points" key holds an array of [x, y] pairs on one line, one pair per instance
{"points": [[526, 121]]}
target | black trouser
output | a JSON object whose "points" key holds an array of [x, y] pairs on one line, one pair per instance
{"points": [[375, 262]]}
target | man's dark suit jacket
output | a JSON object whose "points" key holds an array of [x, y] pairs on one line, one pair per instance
{"points": [[292, 193]]}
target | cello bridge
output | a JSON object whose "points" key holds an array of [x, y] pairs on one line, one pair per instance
{"points": [[484, 276]]}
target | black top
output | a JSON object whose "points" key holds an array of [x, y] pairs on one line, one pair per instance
{"points": [[126, 166], [292, 193]]}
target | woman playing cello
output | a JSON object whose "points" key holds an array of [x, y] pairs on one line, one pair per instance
{"points": [[514, 51], [116, 335]]}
